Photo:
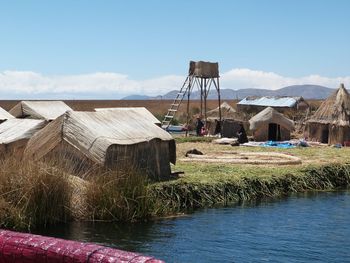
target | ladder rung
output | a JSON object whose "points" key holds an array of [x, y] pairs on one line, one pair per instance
{"points": [[169, 116], [176, 104], [172, 110]]}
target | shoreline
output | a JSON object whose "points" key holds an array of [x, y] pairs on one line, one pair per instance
{"points": [[182, 196], [130, 198]]}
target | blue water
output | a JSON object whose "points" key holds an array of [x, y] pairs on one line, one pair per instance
{"points": [[301, 228]]}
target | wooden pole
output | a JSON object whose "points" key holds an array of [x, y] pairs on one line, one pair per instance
{"points": [[201, 88], [188, 103], [219, 99]]}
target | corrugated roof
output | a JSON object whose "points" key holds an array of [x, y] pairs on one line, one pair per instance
{"points": [[93, 132], [4, 115], [47, 110], [16, 129], [270, 101], [141, 112]]}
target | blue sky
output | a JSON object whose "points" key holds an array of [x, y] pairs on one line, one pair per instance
{"points": [[149, 41]]}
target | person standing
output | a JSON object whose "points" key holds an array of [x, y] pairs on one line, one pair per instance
{"points": [[199, 126]]}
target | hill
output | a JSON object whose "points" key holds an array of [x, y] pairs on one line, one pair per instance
{"points": [[306, 91]]}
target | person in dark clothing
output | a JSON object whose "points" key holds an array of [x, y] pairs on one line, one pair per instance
{"points": [[199, 126], [242, 136], [217, 127]]}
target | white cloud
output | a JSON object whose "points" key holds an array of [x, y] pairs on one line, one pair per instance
{"points": [[246, 78], [19, 84]]}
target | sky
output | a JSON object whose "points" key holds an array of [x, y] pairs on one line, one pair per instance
{"points": [[110, 49]]}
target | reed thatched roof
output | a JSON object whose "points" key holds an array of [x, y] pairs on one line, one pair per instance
{"points": [[92, 133], [45, 110], [227, 112], [4, 115], [335, 109], [138, 112], [270, 115], [17, 129]]}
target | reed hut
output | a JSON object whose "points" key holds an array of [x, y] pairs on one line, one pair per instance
{"points": [[106, 139], [4, 115], [140, 112], [15, 133], [232, 122], [330, 123], [270, 125], [42, 110]]}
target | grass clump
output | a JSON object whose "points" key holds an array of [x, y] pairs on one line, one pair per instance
{"points": [[32, 194], [118, 195], [194, 139]]}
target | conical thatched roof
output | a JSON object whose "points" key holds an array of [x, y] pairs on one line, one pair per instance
{"points": [[227, 112], [270, 115], [335, 109]]}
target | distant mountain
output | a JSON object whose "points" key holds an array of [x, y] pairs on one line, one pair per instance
{"points": [[306, 91], [137, 97]]}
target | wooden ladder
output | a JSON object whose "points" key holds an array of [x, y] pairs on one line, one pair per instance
{"points": [[176, 104]]}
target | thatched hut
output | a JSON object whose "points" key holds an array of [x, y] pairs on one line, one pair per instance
{"points": [[42, 110], [330, 123], [138, 112], [270, 125], [231, 121], [106, 139], [15, 133]]}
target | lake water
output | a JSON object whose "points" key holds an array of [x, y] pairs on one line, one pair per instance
{"points": [[300, 228]]}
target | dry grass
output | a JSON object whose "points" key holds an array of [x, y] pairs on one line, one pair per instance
{"points": [[32, 194], [118, 195]]}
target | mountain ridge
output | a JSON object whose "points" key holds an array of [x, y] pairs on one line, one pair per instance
{"points": [[307, 91]]}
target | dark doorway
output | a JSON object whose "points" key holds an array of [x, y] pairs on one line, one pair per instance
{"points": [[325, 135], [274, 132]]}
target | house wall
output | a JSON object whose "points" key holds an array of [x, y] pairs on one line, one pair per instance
{"points": [[70, 159], [314, 131], [338, 134], [151, 158], [13, 149], [262, 133], [230, 128]]}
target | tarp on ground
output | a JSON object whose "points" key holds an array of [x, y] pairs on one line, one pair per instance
{"points": [[46, 110]]}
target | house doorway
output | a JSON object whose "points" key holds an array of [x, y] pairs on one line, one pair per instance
{"points": [[274, 132], [325, 135]]}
